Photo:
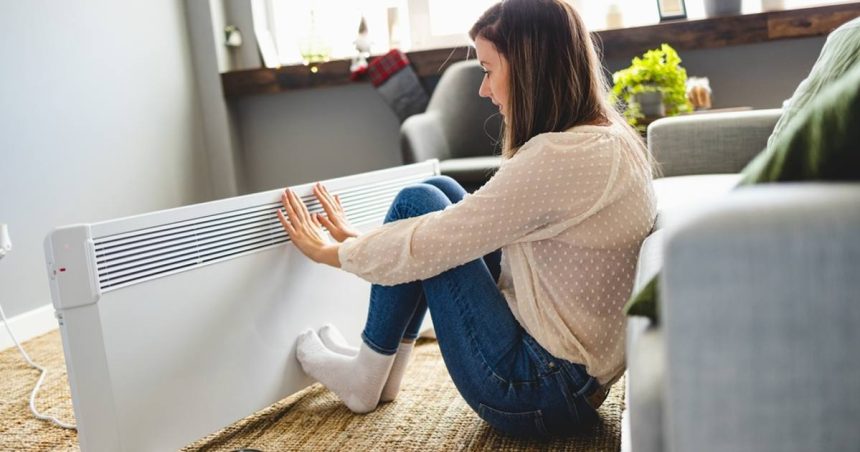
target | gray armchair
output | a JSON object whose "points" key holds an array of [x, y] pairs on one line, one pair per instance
{"points": [[459, 128]]}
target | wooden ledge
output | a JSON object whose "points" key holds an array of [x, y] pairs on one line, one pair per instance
{"points": [[619, 43]]}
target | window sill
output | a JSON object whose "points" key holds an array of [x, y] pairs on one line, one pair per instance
{"points": [[619, 43]]}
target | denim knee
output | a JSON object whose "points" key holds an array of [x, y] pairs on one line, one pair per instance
{"points": [[418, 199], [444, 183], [452, 189]]}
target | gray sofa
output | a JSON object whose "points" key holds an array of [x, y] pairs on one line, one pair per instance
{"points": [[757, 347]]}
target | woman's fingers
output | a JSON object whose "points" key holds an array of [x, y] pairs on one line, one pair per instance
{"points": [[328, 196], [299, 207], [330, 201], [331, 207], [288, 206], [294, 216], [286, 224], [323, 199], [304, 228], [334, 217], [327, 223], [304, 223]]}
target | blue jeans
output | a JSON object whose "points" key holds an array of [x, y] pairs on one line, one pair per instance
{"points": [[512, 382]]}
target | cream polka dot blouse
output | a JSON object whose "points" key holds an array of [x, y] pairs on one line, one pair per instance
{"points": [[569, 211]]}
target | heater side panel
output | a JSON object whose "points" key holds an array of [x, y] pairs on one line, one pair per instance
{"points": [[89, 378]]}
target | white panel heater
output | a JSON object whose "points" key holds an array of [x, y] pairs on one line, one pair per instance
{"points": [[180, 322]]}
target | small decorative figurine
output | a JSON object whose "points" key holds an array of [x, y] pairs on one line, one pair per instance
{"points": [[362, 45]]}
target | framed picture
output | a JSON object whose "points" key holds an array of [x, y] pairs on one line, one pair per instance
{"points": [[671, 9]]}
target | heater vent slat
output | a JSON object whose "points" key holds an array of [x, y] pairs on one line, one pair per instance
{"points": [[192, 251], [164, 244], [144, 254]]}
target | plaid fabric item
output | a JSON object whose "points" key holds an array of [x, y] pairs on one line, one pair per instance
{"points": [[380, 69]]}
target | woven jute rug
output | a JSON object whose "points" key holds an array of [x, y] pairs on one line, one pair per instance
{"points": [[428, 414]]}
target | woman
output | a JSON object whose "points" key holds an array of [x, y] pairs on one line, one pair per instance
{"points": [[525, 278]]}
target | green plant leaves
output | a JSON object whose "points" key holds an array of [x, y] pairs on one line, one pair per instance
{"points": [[656, 70]]}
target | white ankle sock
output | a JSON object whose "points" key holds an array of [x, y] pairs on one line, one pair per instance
{"points": [[398, 369], [334, 341], [356, 380]]}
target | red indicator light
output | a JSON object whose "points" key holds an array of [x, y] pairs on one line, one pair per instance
{"points": [[62, 269]]}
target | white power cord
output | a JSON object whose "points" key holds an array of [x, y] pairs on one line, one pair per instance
{"points": [[5, 247]]}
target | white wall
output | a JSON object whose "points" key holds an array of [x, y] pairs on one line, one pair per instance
{"points": [[206, 22], [99, 118], [313, 134]]}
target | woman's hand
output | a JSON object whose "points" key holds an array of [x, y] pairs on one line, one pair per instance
{"points": [[305, 231], [334, 219]]}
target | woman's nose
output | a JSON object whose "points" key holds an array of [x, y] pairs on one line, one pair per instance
{"points": [[484, 90]]}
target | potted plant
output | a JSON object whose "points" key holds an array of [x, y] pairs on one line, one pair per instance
{"points": [[653, 86]]}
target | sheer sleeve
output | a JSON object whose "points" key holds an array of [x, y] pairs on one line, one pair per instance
{"points": [[553, 180]]}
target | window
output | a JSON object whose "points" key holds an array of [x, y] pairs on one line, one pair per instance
{"points": [[327, 28], [330, 27], [443, 23]]}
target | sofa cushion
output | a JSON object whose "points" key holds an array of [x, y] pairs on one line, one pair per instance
{"points": [[821, 144], [677, 198], [677, 195]]}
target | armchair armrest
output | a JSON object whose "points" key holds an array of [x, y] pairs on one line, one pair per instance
{"points": [[645, 377], [645, 360], [422, 138], [711, 142], [761, 315]]}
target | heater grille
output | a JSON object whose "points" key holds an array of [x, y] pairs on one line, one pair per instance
{"points": [[144, 254]]}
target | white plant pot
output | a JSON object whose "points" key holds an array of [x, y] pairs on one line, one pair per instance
{"points": [[651, 104], [772, 5], [714, 8]]}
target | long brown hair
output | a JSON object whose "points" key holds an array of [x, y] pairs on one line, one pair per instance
{"points": [[556, 79]]}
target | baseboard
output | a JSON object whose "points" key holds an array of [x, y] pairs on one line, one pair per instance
{"points": [[625, 431], [29, 325], [626, 444], [41, 320]]}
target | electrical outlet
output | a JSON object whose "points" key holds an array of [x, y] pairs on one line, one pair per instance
{"points": [[5, 241]]}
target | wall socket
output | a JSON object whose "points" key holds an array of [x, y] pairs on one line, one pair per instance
{"points": [[5, 241]]}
